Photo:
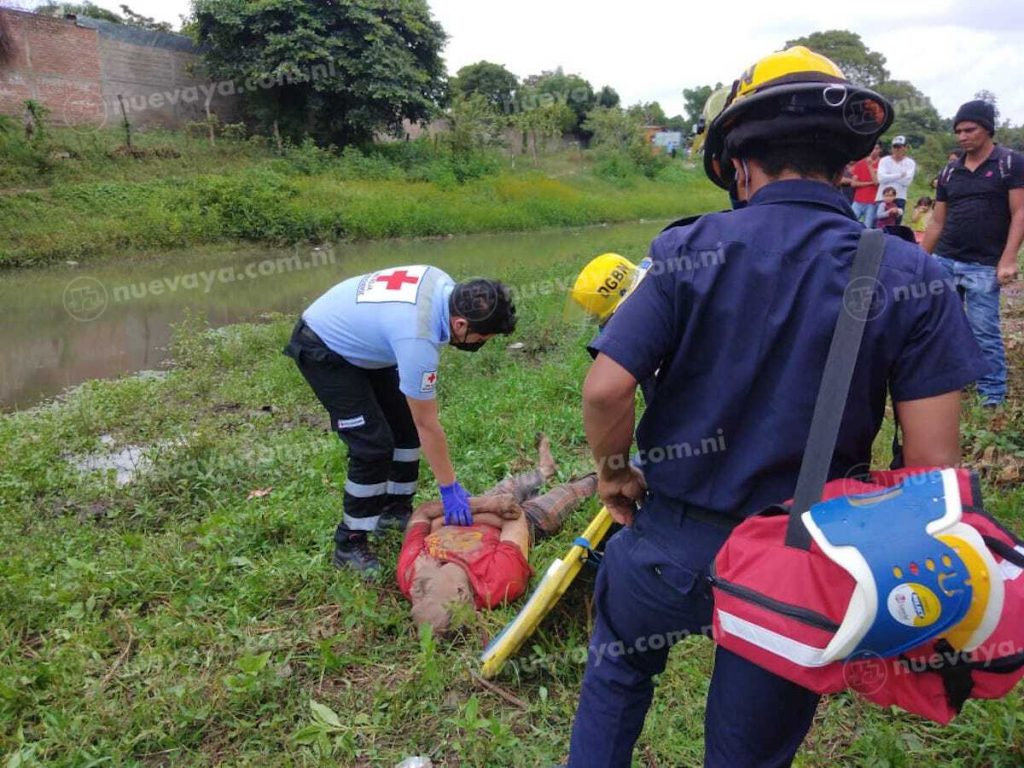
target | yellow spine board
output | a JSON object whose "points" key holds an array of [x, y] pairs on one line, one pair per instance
{"points": [[548, 592]]}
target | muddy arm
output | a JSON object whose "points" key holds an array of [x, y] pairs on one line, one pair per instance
{"points": [[489, 510]]}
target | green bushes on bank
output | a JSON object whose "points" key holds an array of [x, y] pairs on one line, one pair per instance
{"points": [[312, 193]]}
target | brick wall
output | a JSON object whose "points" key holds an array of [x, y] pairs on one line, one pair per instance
{"points": [[53, 62], [157, 83], [78, 68]]}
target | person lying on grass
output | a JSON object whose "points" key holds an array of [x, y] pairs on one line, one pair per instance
{"points": [[442, 566]]}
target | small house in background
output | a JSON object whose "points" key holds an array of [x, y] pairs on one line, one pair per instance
{"points": [[668, 141], [650, 131]]}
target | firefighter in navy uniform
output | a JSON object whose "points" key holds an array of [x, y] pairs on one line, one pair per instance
{"points": [[369, 349], [739, 348]]}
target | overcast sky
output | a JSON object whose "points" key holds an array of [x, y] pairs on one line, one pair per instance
{"points": [[650, 51]]}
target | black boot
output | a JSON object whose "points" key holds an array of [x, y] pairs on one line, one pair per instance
{"points": [[395, 516], [352, 550]]}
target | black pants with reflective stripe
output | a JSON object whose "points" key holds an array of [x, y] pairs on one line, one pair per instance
{"points": [[371, 416]]}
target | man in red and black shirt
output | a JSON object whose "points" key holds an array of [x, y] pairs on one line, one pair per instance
{"points": [[976, 231]]}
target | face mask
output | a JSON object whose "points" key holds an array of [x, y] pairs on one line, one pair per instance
{"points": [[466, 346]]}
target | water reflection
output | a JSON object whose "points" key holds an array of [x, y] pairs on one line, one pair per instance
{"points": [[68, 324]]}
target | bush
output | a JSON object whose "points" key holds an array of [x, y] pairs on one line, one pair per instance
{"points": [[374, 166], [308, 158], [251, 206]]}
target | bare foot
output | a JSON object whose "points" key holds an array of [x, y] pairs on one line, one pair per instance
{"points": [[546, 462]]}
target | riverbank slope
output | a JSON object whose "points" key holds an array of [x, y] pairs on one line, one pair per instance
{"points": [[85, 197]]}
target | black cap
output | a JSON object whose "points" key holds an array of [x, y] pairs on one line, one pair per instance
{"points": [[978, 111], [486, 304]]}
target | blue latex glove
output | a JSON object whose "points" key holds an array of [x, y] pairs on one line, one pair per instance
{"points": [[456, 505]]}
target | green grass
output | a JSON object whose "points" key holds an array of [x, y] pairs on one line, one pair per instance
{"points": [[92, 203], [173, 622]]}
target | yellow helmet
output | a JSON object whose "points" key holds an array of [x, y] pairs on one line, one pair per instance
{"points": [[603, 284], [712, 107], [799, 94]]}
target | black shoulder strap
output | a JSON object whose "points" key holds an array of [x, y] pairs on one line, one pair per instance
{"points": [[687, 221], [835, 383]]}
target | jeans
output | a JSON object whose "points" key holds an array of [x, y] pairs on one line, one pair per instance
{"points": [[865, 213], [979, 288], [652, 591]]}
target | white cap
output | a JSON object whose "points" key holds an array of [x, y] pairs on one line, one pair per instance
{"points": [[897, 140]]}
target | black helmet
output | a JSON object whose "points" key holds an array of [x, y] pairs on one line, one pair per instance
{"points": [[794, 95], [486, 304]]}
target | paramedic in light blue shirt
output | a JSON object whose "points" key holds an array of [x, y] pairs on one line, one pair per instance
{"points": [[369, 349]]}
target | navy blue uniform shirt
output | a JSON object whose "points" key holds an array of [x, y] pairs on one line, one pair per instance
{"points": [[978, 206], [737, 314]]}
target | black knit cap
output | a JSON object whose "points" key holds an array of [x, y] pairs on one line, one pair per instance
{"points": [[978, 111], [486, 304]]}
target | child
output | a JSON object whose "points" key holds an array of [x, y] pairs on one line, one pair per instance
{"points": [[921, 216], [888, 213]]}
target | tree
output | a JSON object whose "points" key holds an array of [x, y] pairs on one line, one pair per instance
{"points": [[93, 11], [615, 129], [342, 71], [621, 142], [860, 64], [146, 22], [608, 97], [986, 95], [491, 81], [677, 123], [543, 122], [559, 88], [694, 100], [915, 115], [650, 112], [473, 124]]}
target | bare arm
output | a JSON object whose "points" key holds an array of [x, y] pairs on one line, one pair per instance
{"points": [[433, 442], [1006, 270], [609, 397], [517, 532], [487, 510], [934, 229], [931, 430]]}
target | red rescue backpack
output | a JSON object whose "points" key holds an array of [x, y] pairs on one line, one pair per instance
{"points": [[804, 601], [781, 601]]}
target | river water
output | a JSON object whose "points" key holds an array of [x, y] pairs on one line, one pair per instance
{"points": [[66, 324]]}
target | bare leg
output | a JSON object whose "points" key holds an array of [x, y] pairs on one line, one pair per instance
{"points": [[526, 484]]}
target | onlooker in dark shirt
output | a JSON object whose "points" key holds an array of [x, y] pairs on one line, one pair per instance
{"points": [[976, 231]]}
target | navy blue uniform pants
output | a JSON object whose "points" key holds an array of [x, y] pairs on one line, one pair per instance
{"points": [[371, 416], [652, 591]]}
